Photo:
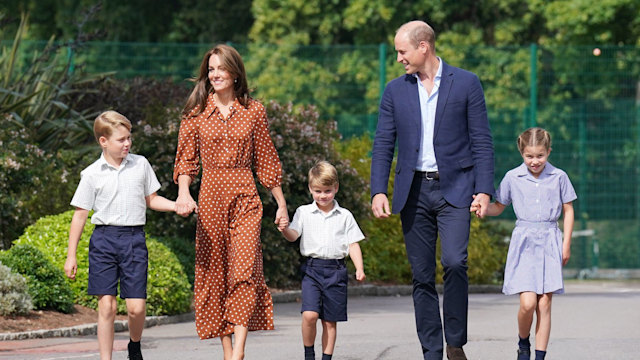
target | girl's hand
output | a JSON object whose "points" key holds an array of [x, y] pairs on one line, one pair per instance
{"points": [[566, 254]]}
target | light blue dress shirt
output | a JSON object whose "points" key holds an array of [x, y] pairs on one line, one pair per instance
{"points": [[428, 104]]}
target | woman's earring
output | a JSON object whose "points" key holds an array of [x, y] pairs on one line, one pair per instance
{"points": [[235, 81]]}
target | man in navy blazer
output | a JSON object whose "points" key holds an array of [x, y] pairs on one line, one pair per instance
{"points": [[437, 115]]}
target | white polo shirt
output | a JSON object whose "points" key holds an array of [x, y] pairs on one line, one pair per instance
{"points": [[117, 196], [325, 235]]}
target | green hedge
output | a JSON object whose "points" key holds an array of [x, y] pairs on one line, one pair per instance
{"points": [[168, 289], [45, 282]]}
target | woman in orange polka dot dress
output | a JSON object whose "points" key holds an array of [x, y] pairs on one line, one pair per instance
{"points": [[227, 131]]}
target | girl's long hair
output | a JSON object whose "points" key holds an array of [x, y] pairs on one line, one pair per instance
{"points": [[232, 62]]}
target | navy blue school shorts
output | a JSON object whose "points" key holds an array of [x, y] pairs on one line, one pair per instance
{"points": [[324, 288], [118, 253]]}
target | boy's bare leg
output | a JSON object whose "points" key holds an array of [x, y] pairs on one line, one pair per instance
{"points": [[107, 308], [329, 334], [309, 320], [227, 346], [136, 309], [528, 304], [543, 325], [240, 334]]}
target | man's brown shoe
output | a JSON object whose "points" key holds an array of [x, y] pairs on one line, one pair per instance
{"points": [[455, 353]]}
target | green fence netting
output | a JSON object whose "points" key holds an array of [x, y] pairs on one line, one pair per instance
{"points": [[588, 100]]}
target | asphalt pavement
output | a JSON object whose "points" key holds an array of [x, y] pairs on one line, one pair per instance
{"points": [[593, 320]]}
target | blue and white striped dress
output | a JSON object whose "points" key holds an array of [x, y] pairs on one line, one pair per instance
{"points": [[534, 261]]}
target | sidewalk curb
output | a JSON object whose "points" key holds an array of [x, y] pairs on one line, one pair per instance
{"points": [[280, 297]]}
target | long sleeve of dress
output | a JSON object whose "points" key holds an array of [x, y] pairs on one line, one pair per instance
{"points": [[265, 156], [188, 153]]}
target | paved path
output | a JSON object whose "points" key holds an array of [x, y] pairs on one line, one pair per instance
{"points": [[594, 320]]}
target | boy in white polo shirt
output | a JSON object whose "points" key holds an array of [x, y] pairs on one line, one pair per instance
{"points": [[118, 187], [329, 233]]}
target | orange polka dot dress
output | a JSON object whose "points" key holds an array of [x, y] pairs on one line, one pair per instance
{"points": [[229, 284]]}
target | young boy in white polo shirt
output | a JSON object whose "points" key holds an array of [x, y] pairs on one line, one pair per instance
{"points": [[329, 233], [118, 187]]}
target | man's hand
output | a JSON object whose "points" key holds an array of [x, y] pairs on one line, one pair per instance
{"points": [[380, 206]]}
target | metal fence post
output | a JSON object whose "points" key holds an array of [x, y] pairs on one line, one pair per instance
{"points": [[70, 60], [582, 179], [382, 73], [533, 86]]}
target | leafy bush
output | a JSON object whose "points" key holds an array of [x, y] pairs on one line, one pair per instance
{"points": [[39, 122], [301, 140], [36, 93], [33, 182], [384, 252], [46, 283], [185, 251], [168, 290], [14, 294]]}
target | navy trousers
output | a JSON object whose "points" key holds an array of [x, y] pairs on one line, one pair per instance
{"points": [[425, 216]]}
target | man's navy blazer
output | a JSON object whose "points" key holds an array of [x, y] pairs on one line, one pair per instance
{"points": [[462, 138]]}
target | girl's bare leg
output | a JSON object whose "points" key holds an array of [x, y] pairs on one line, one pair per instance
{"points": [[528, 304], [543, 325]]}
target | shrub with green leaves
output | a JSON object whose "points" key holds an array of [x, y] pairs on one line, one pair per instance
{"points": [[46, 283], [168, 289], [39, 126], [33, 182], [14, 293], [185, 251]]}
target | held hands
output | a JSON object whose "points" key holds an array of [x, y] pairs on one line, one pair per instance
{"points": [[282, 218], [480, 205], [185, 205]]}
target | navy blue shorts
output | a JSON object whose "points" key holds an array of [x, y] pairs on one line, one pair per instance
{"points": [[118, 253], [324, 288]]}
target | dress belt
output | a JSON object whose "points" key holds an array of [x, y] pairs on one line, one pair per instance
{"points": [[537, 224]]}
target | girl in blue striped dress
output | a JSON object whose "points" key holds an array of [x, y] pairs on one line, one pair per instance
{"points": [[538, 250]]}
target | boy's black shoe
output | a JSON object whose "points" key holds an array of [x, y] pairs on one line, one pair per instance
{"points": [[524, 354], [134, 351]]}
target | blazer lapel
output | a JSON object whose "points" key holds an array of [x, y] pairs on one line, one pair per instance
{"points": [[413, 101], [446, 82]]}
